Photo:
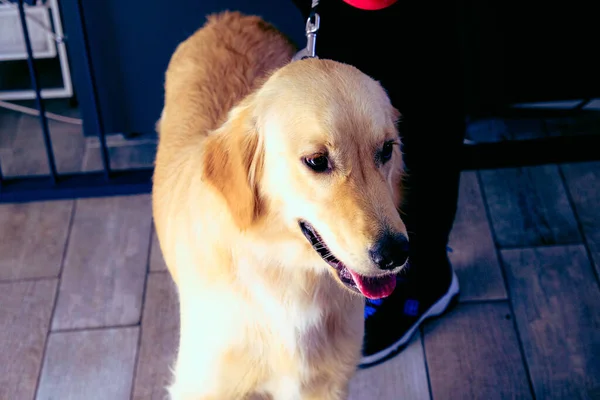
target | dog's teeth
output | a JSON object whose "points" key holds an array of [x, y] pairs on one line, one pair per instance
{"points": [[345, 273]]}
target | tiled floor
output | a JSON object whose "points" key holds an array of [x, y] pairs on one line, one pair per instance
{"points": [[87, 310], [22, 149]]}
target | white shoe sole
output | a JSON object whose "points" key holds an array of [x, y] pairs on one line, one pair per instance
{"points": [[435, 310]]}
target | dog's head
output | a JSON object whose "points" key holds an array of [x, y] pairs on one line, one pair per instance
{"points": [[316, 152]]}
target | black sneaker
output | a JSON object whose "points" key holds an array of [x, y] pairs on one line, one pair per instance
{"points": [[390, 323]]}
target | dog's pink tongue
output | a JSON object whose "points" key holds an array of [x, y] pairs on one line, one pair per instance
{"points": [[374, 288]]}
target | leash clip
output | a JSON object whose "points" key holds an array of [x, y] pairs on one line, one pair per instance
{"points": [[312, 27]]}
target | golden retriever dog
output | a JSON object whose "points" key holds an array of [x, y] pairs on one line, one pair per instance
{"points": [[275, 200]]}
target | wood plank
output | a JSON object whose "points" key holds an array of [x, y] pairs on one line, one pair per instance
{"points": [[473, 253], [160, 335], [157, 262], [529, 207], [473, 353], [583, 182], [402, 377], [91, 365], [33, 238], [106, 263], [25, 312], [556, 301]]}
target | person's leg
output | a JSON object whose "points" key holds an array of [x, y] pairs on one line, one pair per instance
{"points": [[412, 49]]}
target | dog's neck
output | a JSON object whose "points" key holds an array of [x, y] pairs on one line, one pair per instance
{"points": [[292, 277]]}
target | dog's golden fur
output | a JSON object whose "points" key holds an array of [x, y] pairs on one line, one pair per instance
{"points": [[262, 315]]}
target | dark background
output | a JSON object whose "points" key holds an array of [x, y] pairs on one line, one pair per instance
{"points": [[514, 51]]}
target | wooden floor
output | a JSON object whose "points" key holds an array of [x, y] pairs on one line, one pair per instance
{"points": [[87, 310]]}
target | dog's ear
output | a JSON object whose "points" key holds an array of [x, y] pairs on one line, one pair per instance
{"points": [[232, 164]]}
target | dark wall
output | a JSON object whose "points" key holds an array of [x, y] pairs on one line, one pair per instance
{"points": [[131, 42]]}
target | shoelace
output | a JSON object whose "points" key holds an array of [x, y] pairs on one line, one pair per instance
{"points": [[371, 307]]}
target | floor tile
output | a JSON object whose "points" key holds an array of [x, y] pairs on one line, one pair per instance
{"points": [[25, 312], [529, 207], [106, 263], [584, 124], [9, 124], [473, 253], [90, 365], [157, 262], [583, 182], [33, 237], [159, 338], [403, 377], [27, 155], [556, 301], [499, 130], [121, 157], [473, 353]]}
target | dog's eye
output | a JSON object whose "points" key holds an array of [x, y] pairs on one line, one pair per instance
{"points": [[318, 163], [386, 152]]}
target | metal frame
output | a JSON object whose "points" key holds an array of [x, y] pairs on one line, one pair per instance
{"points": [[67, 186], [109, 182], [9, 12], [73, 186], [49, 93]]}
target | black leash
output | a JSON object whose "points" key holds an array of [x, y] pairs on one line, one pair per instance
{"points": [[312, 27]]}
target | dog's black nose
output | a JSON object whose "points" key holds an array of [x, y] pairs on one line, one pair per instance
{"points": [[390, 251]]}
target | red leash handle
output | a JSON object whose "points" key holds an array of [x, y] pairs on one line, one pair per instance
{"points": [[371, 5]]}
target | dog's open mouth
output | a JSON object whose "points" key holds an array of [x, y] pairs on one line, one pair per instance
{"points": [[371, 287]]}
